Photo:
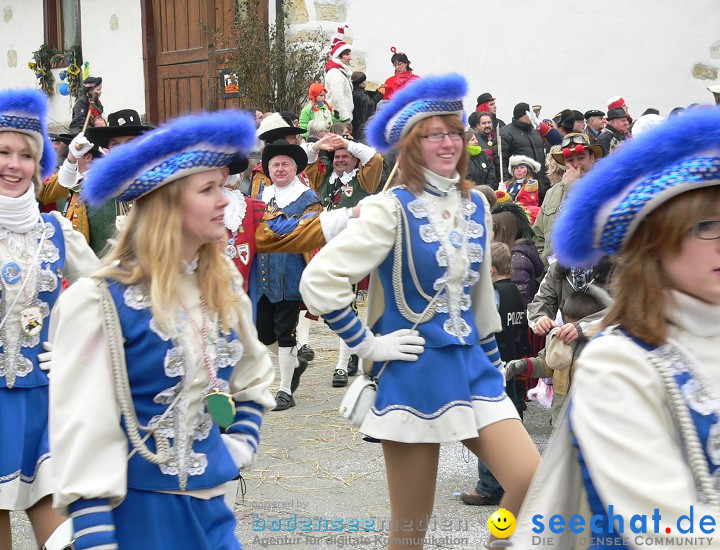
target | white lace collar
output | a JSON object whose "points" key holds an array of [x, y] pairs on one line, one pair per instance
{"points": [[347, 177], [284, 196], [235, 210]]}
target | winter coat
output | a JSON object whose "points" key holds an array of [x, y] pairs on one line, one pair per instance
{"points": [[527, 269], [340, 96], [398, 81], [307, 114], [489, 145], [363, 109], [480, 169], [519, 138], [610, 139]]}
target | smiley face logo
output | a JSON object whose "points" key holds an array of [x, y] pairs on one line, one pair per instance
{"points": [[501, 523]]}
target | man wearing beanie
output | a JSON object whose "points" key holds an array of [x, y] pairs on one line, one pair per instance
{"points": [[521, 138], [363, 105]]}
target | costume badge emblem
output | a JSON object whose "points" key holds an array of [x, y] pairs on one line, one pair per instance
{"points": [[456, 238], [243, 252], [31, 320], [489, 143], [484, 165], [11, 273], [230, 251], [348, 190]]}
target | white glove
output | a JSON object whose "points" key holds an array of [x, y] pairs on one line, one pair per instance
{"points": [[533, 119], [80, 145], [513, 368], [402, 345], [45, 358], [242, 453]]}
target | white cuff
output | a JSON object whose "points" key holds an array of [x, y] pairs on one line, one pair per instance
{"points": [[240, 451], [334, 221], [362, 152], [310, 152], [67, 174]]}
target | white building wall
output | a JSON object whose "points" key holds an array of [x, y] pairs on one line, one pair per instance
{"points": [[111, 40], [558, 54]]}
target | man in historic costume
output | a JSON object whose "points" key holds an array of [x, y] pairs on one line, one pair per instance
{"points": [[356, 173], [274, 127], [277, 294], [98, 224]]}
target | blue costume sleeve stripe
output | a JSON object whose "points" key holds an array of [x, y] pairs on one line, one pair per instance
{"points": [[249, 407], [282, 225], [346, 325], [93, 524], [337, 316], [489, 346]]}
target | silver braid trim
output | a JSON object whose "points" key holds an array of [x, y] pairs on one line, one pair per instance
{"points": [[662, 359], [397, 278], [111, 324]]}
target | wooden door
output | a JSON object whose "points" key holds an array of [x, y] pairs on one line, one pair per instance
{"points": [[182, 66]]}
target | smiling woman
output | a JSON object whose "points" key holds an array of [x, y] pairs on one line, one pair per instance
{"points": [[430, 337], [655, 205], [37, 254], [167, 345]]}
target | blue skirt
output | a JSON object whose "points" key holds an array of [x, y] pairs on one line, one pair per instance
{"points": [[147, 519], [449, 394], [25, 475]]}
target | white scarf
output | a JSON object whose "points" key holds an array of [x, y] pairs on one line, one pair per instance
{"points": [[284, 196], [235, 210], [20, 214]]}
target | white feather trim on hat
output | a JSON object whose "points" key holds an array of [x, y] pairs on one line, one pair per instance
{"points": [[517, 160]]}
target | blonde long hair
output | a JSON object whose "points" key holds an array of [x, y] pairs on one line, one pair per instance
{"points": [[148, 251]]}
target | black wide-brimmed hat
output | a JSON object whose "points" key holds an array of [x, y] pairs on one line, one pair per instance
{"points": [[120, 123], [282, 147], [67, 138], [239, 165]]}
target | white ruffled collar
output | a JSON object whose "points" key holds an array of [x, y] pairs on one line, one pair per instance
{"points": [[235, 210], [284, 196], [693, 315], [346, 177]]}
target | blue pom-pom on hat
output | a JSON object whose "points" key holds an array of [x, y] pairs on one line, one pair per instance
{"points": [[422, 98], [25, 111], [605, 206], [185, 146]]}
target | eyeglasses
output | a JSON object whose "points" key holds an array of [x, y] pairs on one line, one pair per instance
{"points": [[707, 230], [574, 140], [437, 137]]}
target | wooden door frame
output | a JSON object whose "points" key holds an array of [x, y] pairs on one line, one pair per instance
{"points": [[149, 65]]}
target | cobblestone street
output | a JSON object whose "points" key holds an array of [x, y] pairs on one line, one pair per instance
{"points": [[315, 469]]}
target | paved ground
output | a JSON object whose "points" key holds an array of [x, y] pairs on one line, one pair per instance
{"points": [[315, 470]]}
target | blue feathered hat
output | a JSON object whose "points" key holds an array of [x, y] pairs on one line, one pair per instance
{"points": [[423, 98], [25, 111], [604, 207], [185, 146]]}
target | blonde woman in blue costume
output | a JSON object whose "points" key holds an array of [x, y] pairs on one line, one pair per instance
{"points": [[193, 360], [642, 425], [432, 314], [37, 252]]}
